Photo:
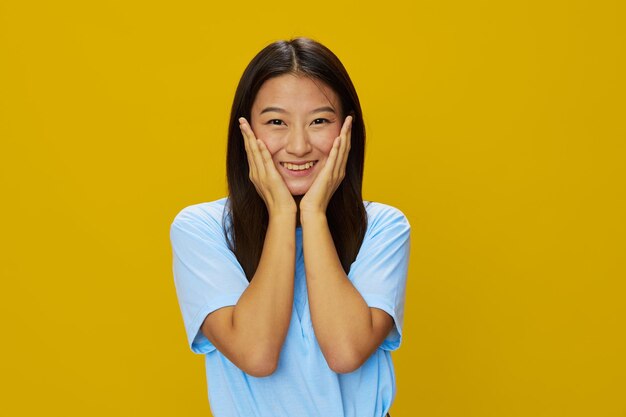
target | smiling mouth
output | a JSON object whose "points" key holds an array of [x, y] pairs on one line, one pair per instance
{"points": [[298, 167]]}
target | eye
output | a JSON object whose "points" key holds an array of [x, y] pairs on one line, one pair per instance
{"points": [[320, 121], [275, 122]]}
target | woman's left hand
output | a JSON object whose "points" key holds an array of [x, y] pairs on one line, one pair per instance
{"points": [[333, 172]]}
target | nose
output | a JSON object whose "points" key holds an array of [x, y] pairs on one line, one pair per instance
{"points": [[298, 143]]}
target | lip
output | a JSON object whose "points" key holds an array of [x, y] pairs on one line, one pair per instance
{"points": [[300, 173], [298, 162]]}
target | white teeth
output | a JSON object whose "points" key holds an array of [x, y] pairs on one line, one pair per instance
{"points": [[294, 167]]}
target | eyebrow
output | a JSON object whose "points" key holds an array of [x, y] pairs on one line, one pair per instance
{"points": [[281, 110]]}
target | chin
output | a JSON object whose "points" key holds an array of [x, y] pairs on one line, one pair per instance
{"points": [[299, 190], [298, 193]]}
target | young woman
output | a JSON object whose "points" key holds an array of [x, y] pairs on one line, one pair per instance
{"points": [[293, 287]]}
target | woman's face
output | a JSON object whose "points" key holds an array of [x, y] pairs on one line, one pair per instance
{"points": [[298, 119]]}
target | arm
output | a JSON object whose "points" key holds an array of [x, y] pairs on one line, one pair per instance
{"points": [[347, 330], [251, 333]]}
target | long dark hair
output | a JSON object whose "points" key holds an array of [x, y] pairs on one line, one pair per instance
{"points": [[248, 218]]}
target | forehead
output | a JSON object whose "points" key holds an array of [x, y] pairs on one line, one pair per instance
{"points": [[295, 93]]}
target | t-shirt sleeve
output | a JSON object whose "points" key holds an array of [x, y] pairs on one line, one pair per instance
{"points": [[379, 271], [207, 274]]}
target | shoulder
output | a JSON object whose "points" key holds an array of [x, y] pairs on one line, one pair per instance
{"points": [[382, 216], [207, 216]]}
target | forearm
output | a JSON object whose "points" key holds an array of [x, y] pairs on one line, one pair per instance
{"points": [[262, 315], [251, 333], [341, 319]]}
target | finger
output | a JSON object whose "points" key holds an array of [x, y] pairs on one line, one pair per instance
{"points": [[331, 161], [243, 134], [246, 142], [347, 125], [256, 155], [341, 150], [349, 136], [266, 156], [344, 148], [253, 148]]}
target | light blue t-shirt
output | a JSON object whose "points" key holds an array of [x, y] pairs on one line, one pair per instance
{"points": [[208, 277]]}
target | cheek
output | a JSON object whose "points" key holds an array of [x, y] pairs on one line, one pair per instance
{"points": [[269, 137], [324, 140]]}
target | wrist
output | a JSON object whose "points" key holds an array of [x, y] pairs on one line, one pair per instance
{"points": [[312, 216], [287, 208], [283, 213]]}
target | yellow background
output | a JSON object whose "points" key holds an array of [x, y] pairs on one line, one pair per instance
{"points": [[498, 127]]}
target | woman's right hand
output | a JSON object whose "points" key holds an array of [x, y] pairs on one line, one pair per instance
{"points": [[264, 175]]}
